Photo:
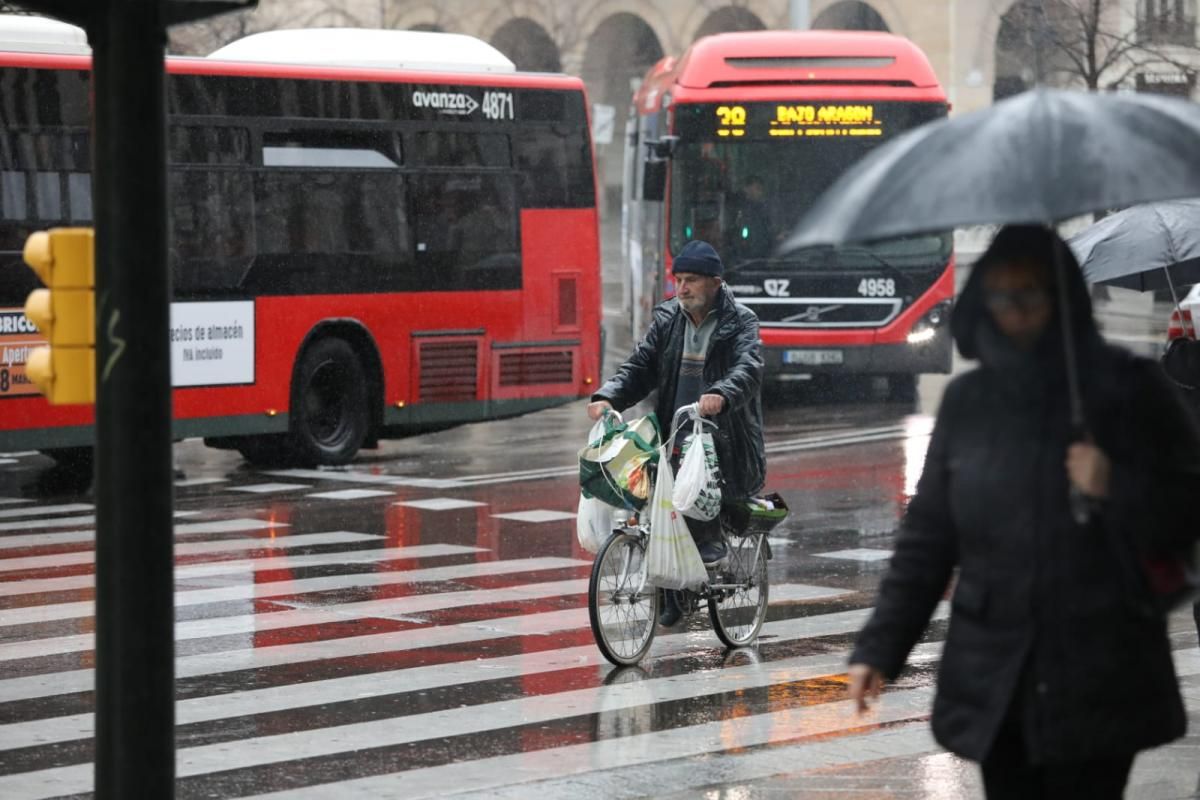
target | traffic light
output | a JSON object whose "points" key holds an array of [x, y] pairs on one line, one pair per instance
{"points": [[64, 312]]}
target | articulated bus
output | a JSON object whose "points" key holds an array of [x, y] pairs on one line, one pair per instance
{"points": [[733, 141], [372, 233]]}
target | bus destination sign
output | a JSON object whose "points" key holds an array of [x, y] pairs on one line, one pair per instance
{"points": [[798, 120]]}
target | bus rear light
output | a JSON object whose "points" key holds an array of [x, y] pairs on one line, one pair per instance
{"points": [[271, 412]]}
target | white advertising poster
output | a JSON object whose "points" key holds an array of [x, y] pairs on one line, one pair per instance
{"points": [[212, 344], [604, 118]]}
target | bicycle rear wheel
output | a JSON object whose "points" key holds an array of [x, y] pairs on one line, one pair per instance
{"points": [[622, 607], [737, 602]]}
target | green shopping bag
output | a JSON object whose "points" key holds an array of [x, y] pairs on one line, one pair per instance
{"points": [[614, 466]]}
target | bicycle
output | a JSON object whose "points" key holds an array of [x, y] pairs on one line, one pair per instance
{"points": [[623, 608]]}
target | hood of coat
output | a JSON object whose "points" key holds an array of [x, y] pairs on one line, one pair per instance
{"points": [[971, 324]]}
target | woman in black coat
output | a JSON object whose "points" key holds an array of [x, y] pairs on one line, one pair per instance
{"points": [[1057, 668]]}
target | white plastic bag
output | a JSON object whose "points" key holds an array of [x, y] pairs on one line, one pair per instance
{"points": [[593, 523], [698, 486], [672, 561]]}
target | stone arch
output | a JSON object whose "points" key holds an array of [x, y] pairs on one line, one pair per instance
{"points": [[1024, 54], [663, 26], [728, 19], [528, 44], [427, 17], [850, 15], [618, 52]]}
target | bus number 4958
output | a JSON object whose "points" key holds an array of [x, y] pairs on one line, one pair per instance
{"points": [[877, 287]]}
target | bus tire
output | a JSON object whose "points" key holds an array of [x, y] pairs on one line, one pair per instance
{"points": [[329, 416]]}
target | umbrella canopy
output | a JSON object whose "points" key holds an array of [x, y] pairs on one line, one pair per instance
{"points": [[1038, 157], [1147, 247]]}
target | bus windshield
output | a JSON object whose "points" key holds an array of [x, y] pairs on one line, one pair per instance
{"points": [[744, 193]]}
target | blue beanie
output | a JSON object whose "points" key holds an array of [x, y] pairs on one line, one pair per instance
{"points": [[698, 258]]}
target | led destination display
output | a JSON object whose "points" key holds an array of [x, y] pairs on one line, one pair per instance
{"points": [[813, 119], [801, 120]]}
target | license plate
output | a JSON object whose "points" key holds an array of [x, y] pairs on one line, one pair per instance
{"points": [[812, 358]]}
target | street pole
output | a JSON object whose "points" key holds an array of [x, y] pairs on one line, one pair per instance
{"points": [[799, 14], [135, 612]]}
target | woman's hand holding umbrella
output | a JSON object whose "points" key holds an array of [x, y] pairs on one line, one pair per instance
{"points": [[1089, 469]]}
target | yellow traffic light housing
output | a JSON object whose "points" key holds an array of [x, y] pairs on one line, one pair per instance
{"points": [[65, 313]]}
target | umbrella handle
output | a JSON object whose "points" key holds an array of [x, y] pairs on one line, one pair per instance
{"points": [[1081, 506]]}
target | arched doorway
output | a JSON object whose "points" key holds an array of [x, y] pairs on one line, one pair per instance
{"points": [[619, 52], [729, 19], [850, 15], [1028, 51], [528, 45]]}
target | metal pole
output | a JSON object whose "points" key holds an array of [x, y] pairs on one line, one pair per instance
{"points": [[135, 714], [798, 11]]}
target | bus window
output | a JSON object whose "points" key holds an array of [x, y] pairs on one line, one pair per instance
{"points": [[460, 149], [466, 232], [334, 149], [79, 196], [555, 167], [48, 195], [325, 231], [208, 145], [13, 195], [210, 242]]}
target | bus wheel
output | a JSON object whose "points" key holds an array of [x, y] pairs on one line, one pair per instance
{"points": [[329, 417]]}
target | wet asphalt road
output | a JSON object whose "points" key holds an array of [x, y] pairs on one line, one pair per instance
{"points": [[415, 625]]}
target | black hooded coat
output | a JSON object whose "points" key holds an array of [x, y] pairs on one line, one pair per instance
{"points": [[1050, 615], [733, 369]]}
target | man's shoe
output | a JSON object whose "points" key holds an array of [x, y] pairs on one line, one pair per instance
{"points": [[669, 616], [713, 552]]}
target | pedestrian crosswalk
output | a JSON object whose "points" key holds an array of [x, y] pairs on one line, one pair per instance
{"points": [[436, 649]]}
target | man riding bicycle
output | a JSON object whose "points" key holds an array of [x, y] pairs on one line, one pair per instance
{"points": [[702, 346]]}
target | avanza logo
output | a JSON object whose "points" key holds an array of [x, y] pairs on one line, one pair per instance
{"points": [[446, 102]]}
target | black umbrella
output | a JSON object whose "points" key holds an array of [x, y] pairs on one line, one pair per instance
{"points": [[1040, 157], [1147, 247]]}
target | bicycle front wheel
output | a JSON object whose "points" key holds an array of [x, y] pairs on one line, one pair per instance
{"points": [[623, 608], [737, 602]]}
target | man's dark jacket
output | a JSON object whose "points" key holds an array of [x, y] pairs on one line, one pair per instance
{"points": [[732, 369], [1047, 614]]}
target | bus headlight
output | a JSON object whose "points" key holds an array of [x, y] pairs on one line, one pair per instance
{"points": [[927, 327], [920, 335]]}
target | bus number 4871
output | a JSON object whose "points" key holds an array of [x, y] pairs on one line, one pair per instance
{"points": [[498, 105]]}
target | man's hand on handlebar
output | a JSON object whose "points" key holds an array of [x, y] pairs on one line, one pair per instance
{"points": [[711, 405], [598, 409]]}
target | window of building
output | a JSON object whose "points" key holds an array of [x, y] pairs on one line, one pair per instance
{"points": [[1167, 21]]}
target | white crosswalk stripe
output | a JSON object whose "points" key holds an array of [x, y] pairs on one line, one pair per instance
{"points": [[198, 548], [486, 648], [250, 591]]}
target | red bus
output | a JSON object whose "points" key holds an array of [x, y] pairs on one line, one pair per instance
{"points": [[357, 251], [734, 140]]}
